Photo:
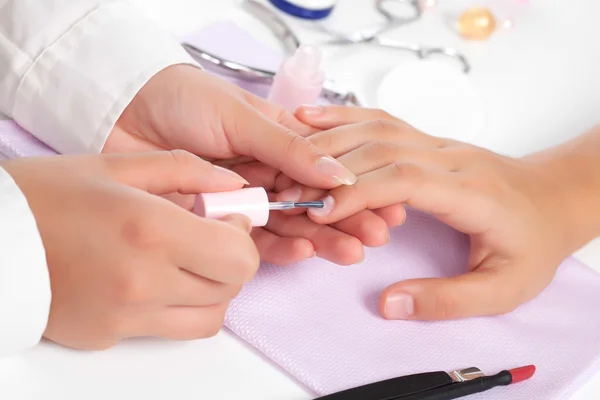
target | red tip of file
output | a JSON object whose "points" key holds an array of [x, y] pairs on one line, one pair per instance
{"points": [[522, 374]]}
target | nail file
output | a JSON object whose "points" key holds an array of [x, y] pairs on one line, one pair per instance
{"points": [[251, 202]]}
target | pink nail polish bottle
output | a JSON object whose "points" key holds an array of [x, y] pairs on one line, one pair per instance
{"points": [[251, 202], [299, 79]]}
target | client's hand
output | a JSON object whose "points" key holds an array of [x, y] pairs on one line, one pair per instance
{"points": [[510, 208], [125, 262], [183, 107]]}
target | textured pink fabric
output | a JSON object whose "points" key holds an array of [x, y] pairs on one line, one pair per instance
{"points": [[15, 142], [319, 321]]}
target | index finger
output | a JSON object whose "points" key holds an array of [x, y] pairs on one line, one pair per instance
{"points": [[343, 139], [279, 114], [253, 134], [164, 172], [328, 117], [430, 190]]}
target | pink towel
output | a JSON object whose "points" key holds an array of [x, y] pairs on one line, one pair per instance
{"points": [[16, 142], [319, 322]]}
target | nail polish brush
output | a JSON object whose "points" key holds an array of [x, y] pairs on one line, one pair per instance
{"points": [[251, 202]]}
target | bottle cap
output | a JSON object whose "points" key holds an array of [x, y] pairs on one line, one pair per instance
{"points": [[306, 9], [306, 63], [251, 202]]}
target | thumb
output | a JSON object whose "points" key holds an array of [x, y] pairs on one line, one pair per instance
{"points": [[284, 150], [278, 114], [328, 117], [482, 292], [164, 172], [239, 221]]}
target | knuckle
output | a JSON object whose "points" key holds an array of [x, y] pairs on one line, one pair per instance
{"points": [[233, 291], [209, 327], [283, 116], [131, 288], [182, 157], [380, 127], [292, 142], [245, 260], [248, 263], [408, 171], [139, 233], [113, 325], [381, 150], [446, 305], [383, 115], [325, 142]]}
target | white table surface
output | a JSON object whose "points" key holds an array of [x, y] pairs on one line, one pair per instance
{"points": [[539, 83]]}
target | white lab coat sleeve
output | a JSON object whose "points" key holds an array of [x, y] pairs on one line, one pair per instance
{"points": [[24, 278], [69, 68]]}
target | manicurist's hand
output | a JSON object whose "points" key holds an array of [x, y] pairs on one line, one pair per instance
{"points": [[125, 262], [183, 107], [524, 216]]}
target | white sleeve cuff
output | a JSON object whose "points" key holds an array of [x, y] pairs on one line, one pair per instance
{"points": [[24, 278], [75, 91]]}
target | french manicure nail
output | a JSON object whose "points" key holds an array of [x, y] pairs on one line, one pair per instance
{"points": [[312, 110], [328, 205], [399, 306], [230, 174], [291, 194], [336, 170]]}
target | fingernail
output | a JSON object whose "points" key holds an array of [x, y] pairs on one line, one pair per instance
{"points": [[399, 306], [328, 204], [230, 174], [312, 110], [362, 260], [291, 194], [248, 227], [336, 170]]}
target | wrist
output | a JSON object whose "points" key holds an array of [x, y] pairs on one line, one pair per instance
{"points": [[571, 173]]}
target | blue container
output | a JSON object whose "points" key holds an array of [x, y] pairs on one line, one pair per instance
{"points": [[306, 9]]}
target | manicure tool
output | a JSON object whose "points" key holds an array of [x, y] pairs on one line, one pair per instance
{"points": [[251, 202], [290, 42], [434, 385], [394, 18]]}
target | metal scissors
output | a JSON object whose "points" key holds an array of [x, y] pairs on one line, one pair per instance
{"points": [[394, 18], [290, 42]]}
